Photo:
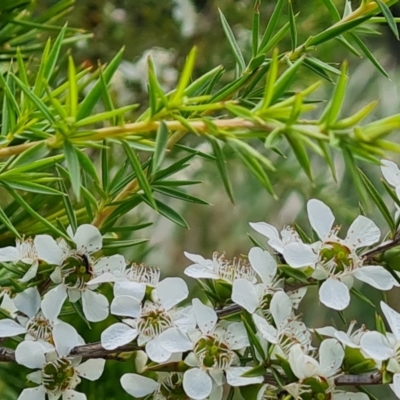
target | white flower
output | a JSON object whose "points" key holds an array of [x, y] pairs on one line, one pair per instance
{"points": [[219, 268], [349, 338], [395, 386], [25, 252], [286, 330], [252, 295], [57, 374], [75, 269], [214, 354], [336, 260], [277, 242], [156, 324], [318, 377], [391, 173]]}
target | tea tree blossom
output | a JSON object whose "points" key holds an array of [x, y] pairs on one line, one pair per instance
{"points": [[337, 261], [56, 373], [214, 354], [158, 326]]}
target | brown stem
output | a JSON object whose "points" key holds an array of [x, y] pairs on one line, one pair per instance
{"points": [[370, 254]]}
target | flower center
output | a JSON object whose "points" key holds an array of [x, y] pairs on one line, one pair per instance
{"points": [[58, 376], [231, 270], [213, 353], [40, 328], [77, 271], [315, 388], [172, 388], [154, 321], [26, 249], [336, 257], [143, 274]]}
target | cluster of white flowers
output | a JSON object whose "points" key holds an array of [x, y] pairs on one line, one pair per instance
{"points": [[244, 332]]}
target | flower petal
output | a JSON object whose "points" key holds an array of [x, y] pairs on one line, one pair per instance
{"points": [[8, 254], [263, 263], [246, 295], [206, 317], [362, 232], [36, 393], [391, 172], [28, 301], [48, 249], [303, 366], [349, 396], [156, 351], [393, 319], [320, 216], [53, 301], [234, 377], [197, 384], [267, 331], [9, 328], [126, 306], [137, 385], [31, 272], [88, 239], [281, 307], [72, 395], [331, 356], [65, 338], [171, 291], [117, 335], [128, 288], [265, 229], [91, 369], [30, 354], [236, 336], [299, 255], [95, 306], [113, 264], [175, 341], [376, 346], [334, 294], [395, 386], [376, 276]]}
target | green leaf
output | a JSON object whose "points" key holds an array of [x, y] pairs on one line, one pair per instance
{"points": [[72, 160], [52, 58], [232, 43], [185, 77], [271, 79], [169, 213], [119, 244], [161, 146], [360, 296], [253, 339], [332, 9], [68, 206], [294, 273], [72, 98], [221, 166], [178, 194], [293, 29], [8, 224], [272, 23], [141, 177], [377, 199], [31, 187], [285, 80], [93, 119], [131, 228], [389, 17], [255, 28], [95, 93], [87, 164]]}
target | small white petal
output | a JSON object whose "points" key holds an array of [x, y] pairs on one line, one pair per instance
{"points": [[28, 301], [126, 306], [236, 336], [267, 331], [30, 354], [37, 393], [234, 377], [72, 395], [103, 278], [206, 317], [171, 291], [345, 339], [296, 296], [263, 263], [35, 377], [303, 366], [175, 341], [326, 331], [91, 369], [137, 385], [299, 255], [334, 294], [48, 250], [74, 295], [156, 351], [53, 301], [115, 263], [199, 271], [376, 346], [88, 238], [128, 288], [362, 232], [9, 328], [195, 258], [8, 254], [331, 356], [393, 319], [197, 384], [65, 338], [281, 307], [31, 272], [320, 216], [184, 319], [117, 335], [376, 276], [265, 229], [95, 306], [395, 386], [391, 172], [246, 295], [349, 396]]}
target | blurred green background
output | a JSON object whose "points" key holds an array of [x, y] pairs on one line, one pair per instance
{"points": [[167, 30]]}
